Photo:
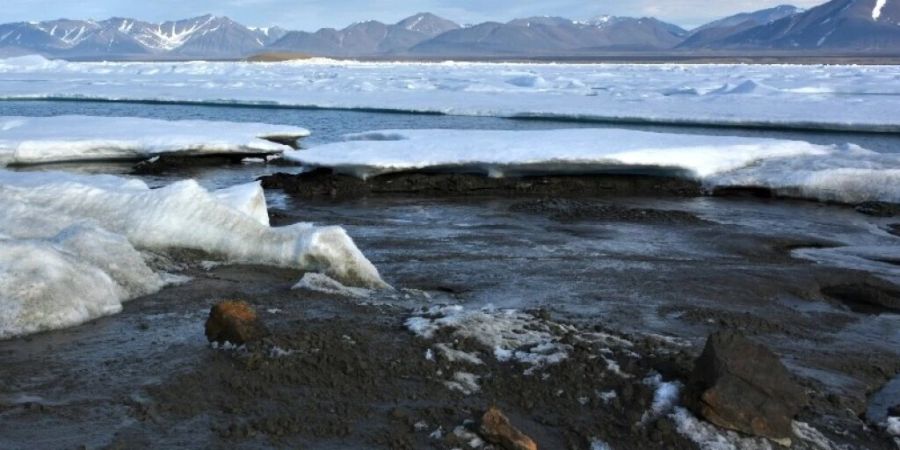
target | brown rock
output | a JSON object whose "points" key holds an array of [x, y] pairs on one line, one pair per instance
{"points": [[742, 386], [496, 429], [233, 321]]}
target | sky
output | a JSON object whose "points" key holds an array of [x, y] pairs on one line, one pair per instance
{"points": [[314, 14]]}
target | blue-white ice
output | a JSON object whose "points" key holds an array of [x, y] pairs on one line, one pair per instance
{"points": [[844, 173], [71, 245], [809, 96], [35, 140]]}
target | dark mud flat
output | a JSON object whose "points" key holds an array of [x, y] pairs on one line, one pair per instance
{"points": [[324, 184], [629, 286]]}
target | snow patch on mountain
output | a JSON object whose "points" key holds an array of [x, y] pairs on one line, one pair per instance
{"points": [[879, 6]]}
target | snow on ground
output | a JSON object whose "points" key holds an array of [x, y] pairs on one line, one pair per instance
{"points": [[35, 140], [709, 437], [893, 426], [513, 335], [832, 97], [665, 396], [318, 282], [70, 244], [847, 173]]}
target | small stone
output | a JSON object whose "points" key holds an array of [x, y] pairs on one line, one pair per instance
{"points": [[742, 386], [495, 428], [235, 322]]}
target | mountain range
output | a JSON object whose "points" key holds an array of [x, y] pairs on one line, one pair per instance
{"points": [[837, 27]]}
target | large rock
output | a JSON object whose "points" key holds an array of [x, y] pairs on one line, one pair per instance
{"points": [[742, 386], [235, 322], [496, 429]]}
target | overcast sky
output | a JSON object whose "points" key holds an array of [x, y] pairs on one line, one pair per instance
{"points": [[314, 14]]}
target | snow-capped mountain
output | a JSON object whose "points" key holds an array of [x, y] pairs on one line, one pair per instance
{"points": [[205, 37], [839, 27], [867, 26]]}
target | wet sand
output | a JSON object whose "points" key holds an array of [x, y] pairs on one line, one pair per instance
{"points": [[659, 273]]}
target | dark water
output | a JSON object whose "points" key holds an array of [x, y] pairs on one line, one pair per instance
{"points": [[329, 125]]}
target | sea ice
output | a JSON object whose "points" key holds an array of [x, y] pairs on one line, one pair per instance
{"points": [[77, 275], [848, 173], [798, 96], [36, 140], [70, 246]]}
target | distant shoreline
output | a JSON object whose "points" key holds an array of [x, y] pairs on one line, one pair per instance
{"points": [[624, 58]]}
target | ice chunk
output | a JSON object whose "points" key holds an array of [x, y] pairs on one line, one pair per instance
{"points": [[247, 198], [528, 81], [322, 283], [80, 274], [893, 426], [665, 396], [184, 215], [551, 150], [69, 247], [848, 174], [35, 140], [745, 87]]}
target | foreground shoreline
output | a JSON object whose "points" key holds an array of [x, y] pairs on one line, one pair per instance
{"points": [[342, 372]]}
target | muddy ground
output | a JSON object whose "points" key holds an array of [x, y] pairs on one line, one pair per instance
{"points": [[630, 285]]}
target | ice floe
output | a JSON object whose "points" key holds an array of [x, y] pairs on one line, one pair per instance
{"points": [[70, 246], [36, 140], [829, 97], [841, 173]]}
